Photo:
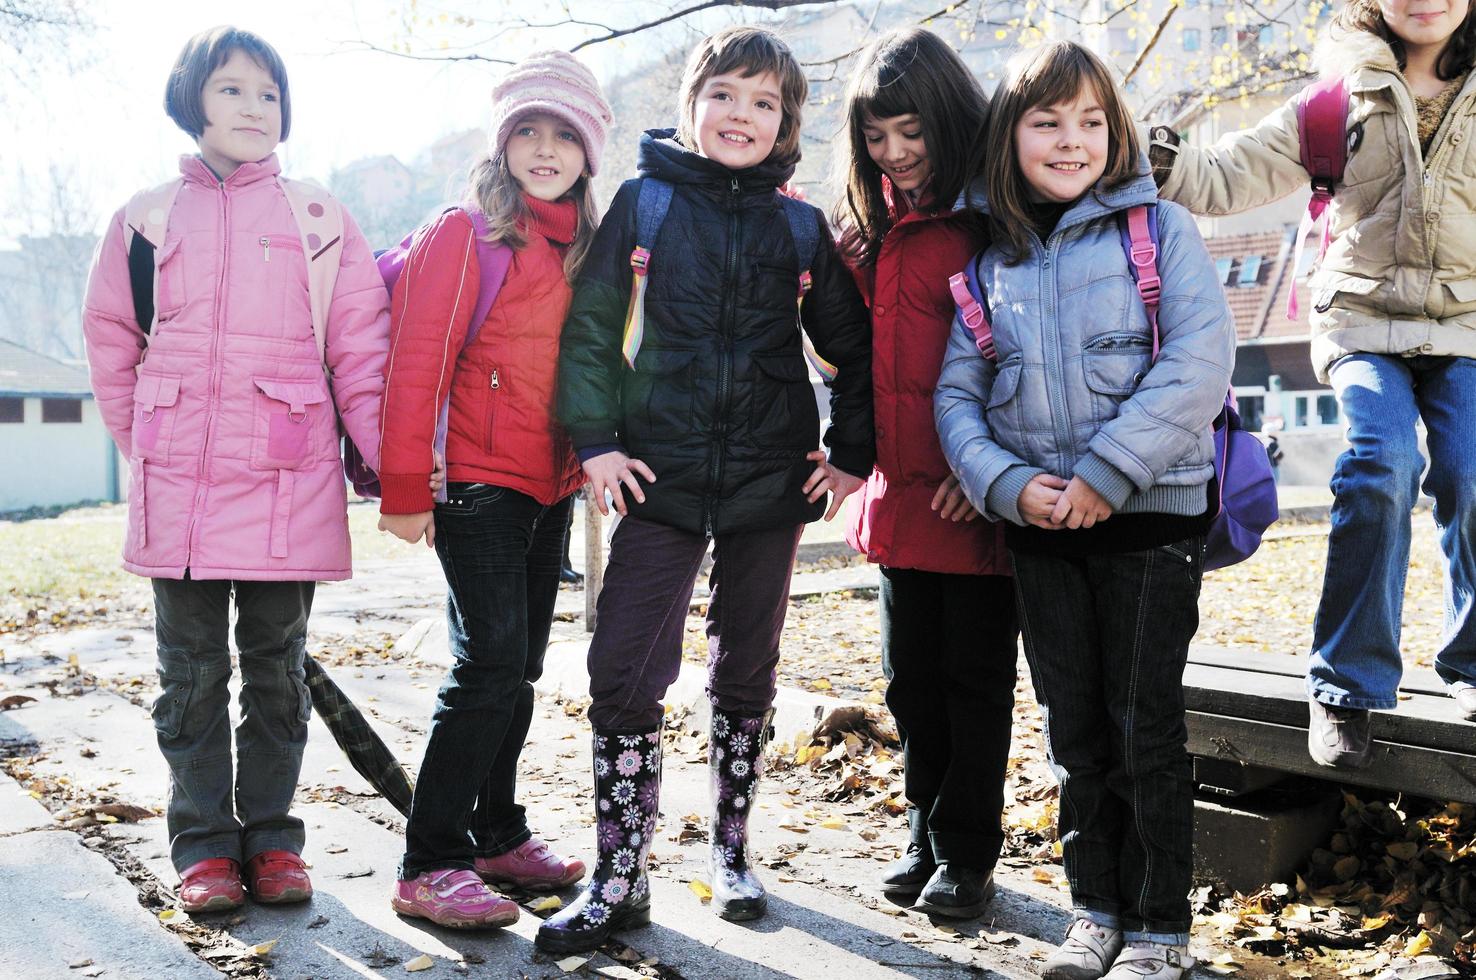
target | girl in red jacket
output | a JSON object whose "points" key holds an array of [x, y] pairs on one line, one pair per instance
{"points": [[916, 120], [511, 479]]}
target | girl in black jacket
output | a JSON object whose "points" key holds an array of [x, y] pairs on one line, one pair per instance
{"points": [[684, 387]]}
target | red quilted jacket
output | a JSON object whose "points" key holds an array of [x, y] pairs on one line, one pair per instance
{"points": [[502, 428], [891, 520]]}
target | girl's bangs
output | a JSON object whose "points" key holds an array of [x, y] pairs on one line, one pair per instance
{"points": [[883, 99]]}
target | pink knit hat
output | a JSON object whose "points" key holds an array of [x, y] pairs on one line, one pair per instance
{"points": [[554, 82]]}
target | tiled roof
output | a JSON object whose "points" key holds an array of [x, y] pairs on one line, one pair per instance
{"points": [[1260, 309], [26, 373]]}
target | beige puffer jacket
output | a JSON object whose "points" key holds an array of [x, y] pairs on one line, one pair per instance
{"points": [[1400, 274]]}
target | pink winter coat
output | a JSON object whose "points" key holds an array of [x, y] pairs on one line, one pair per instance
{"points": [[227, 419]]}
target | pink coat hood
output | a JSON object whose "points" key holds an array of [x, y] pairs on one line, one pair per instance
{"points": [[226, 417]]}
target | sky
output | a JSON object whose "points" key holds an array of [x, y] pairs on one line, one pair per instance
{"points": [[103, 123]]}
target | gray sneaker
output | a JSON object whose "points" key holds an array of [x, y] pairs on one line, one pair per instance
{"points": [[1339, 737], [1086, 954], [1142, 960], [1465, 699]]}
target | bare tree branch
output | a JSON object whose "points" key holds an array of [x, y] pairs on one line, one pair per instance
{"points": [[1152, 41]]}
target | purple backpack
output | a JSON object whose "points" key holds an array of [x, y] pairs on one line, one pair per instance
{"points": [[493, 258], [1247, 488]]}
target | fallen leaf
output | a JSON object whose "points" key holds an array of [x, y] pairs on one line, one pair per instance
{"points": [[167, 914], [571, 963], [421, 962], [548, 903], [78, 964], [335, 849], [361, 873], [123, 811], [833, 823], [700, 889], [262, 949], [1043, 876], [318, 923], [15, 701]]}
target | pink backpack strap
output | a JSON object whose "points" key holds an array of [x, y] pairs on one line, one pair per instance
{"points": [[1322, 135], [1142, 252], [320, 223], [973, 314], [147, 215]]}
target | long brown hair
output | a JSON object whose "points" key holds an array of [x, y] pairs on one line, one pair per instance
{"points": [[748, 51], [1049, 75], [1455, 60], [492, 188], [908, 71]]}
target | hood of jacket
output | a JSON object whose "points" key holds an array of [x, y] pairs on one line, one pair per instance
{"points": [[662, 155], [1340, 52]]}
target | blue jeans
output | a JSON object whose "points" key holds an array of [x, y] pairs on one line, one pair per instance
{"points": [[501, 551], [1107, 637], [1355, 638], [217, 810]]}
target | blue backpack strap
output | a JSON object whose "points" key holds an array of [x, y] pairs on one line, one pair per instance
{"points": [[804, 229], [652, 203]]}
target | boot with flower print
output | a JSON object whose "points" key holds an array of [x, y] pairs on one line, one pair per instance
{"points": [[627, 771], [735, 756]]}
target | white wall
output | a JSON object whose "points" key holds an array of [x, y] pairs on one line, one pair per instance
{"points": [[54, 462]]}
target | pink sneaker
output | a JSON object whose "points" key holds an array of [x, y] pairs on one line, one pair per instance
{"points": [[212, 885], [452, 897], [278, 877], [530, 866]]}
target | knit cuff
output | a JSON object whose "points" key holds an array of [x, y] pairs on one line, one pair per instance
{"points": [[1109, 481], [1003, 498], [405, 493]]}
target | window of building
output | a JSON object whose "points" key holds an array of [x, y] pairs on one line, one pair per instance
{"points": [[1219, 37], [1222, 269], [1266, 36], [61, 410], [12, 410], [1191, 39], [1250, 271], [1327, 409], [1251, 408]]}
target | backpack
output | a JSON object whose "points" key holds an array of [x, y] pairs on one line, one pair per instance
{"points": [[1247, 504], [1322, 134], [652, 203], [493, 259]]}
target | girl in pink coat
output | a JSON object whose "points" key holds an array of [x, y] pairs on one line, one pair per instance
{"points": [[227, 403]]}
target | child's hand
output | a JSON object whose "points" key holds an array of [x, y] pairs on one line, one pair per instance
{"points": [[1080, 506], [438, 474], [608, 471], [411, 527], [1039, 499], [837, 482], [954, 505]]}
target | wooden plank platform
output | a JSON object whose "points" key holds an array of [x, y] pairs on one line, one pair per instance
{"points": [[1251, 709]]}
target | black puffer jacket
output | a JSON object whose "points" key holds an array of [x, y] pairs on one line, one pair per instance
{"points": [[719, 405]]}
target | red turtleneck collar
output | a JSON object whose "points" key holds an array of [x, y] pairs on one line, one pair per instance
{"points": [[554, 220]]}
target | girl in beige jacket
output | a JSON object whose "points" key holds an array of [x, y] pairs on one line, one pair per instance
{"points": [[1393, 331]]}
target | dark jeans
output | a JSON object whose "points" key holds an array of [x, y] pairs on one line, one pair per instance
{"points": [[501, 551], [636, 651], [948, 651], [208, 816], [1107, 637]]}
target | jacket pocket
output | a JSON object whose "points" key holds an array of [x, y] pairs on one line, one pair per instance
{"points": [[784, 414], [496, 381], [1002, 410], [1464, 290], [1329, 284], [170, 295], [656, 398], [288, 417], [155, 404], [1116, 363]]}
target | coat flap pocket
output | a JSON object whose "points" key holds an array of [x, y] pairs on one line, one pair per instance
{"points": [[156, 391], [1344, 282], [1463, 290], [1006, 383], [1117, 372], [654, 360], [297, 395], [781, 366]]}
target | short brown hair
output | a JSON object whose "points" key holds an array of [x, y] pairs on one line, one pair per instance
{"points": [[202, 55], [748, 51], [1047, 76]]}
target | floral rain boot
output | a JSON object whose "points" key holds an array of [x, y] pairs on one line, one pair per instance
{"points": [[627, 770], [735, 755]]}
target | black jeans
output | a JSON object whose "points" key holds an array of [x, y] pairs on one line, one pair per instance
{"points": [[948, 652], [501, 551], [636, 652], [214, 812], [1107, 637]]}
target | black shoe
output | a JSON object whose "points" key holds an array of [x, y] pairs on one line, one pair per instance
{"points": [[568, 576], [907, 875], [956, 892]]}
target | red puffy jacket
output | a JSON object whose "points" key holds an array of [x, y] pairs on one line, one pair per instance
{"points": [[502, 428], [892, 521]]}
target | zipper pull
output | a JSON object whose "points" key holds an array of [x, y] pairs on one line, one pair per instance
{"points": [[266, 249], [735, 188], [496, 382], [1427, 178]]}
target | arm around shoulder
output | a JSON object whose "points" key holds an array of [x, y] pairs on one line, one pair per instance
{"points": [[838, 324], [1243, 170], [358, 341]]}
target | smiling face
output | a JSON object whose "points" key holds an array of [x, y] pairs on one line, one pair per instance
{"points": [[544, 155], [897, 148], [1062, 149], [736, 120], [1426, 24], [243, 115]]}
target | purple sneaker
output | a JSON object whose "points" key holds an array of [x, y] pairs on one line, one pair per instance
{"points": [[530, 866], [453, 897]]}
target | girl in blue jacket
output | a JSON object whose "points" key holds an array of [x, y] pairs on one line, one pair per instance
{"points": [[1100, 457]]}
